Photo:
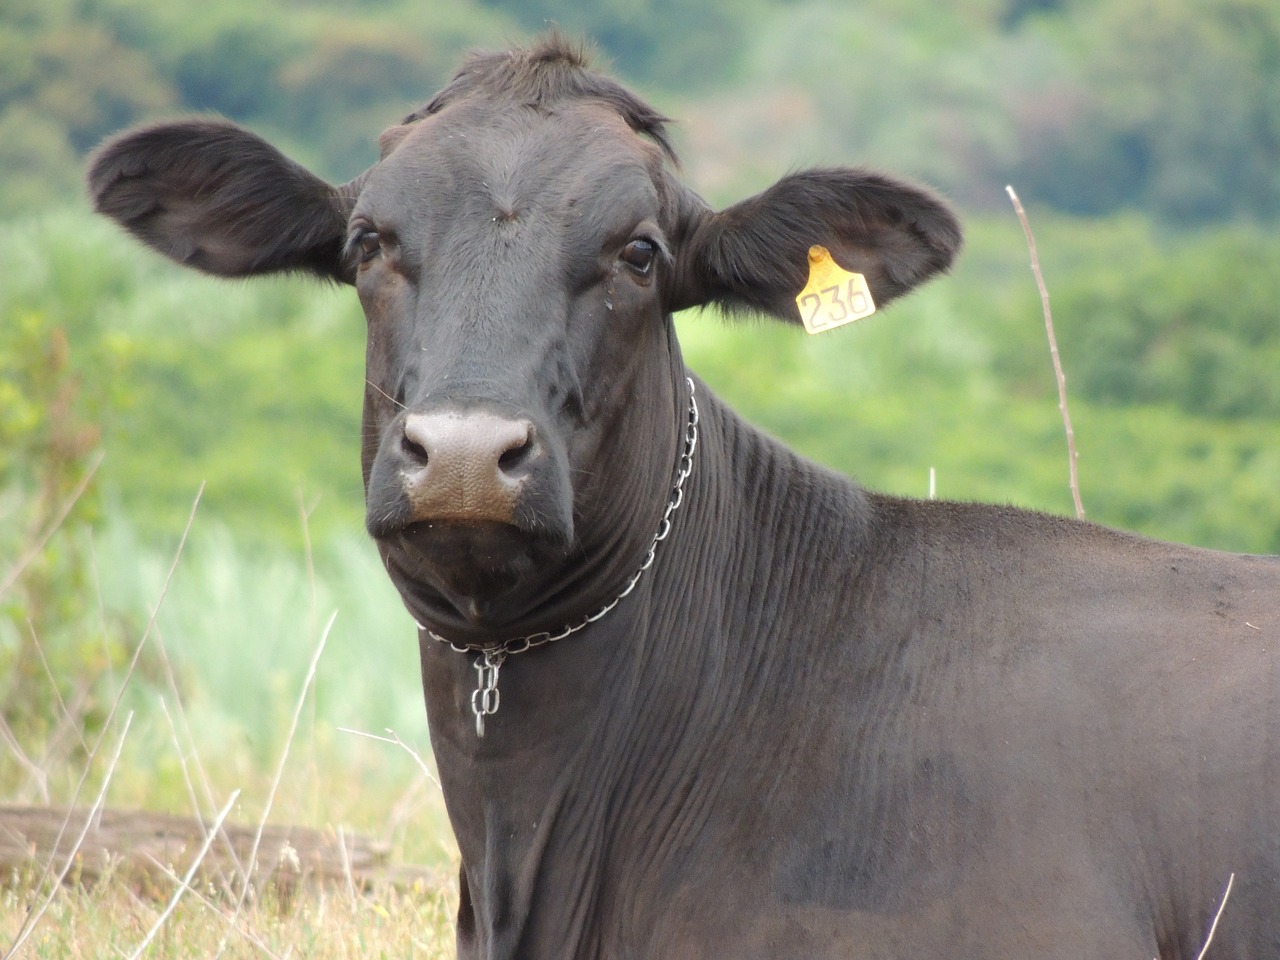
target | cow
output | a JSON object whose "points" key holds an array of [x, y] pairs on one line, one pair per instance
{"points": [[691, 695]]}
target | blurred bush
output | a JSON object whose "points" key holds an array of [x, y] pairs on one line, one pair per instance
{"points": [[1142, 136], [1163, 106]]}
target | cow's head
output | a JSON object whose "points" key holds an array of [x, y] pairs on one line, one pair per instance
{"points": [[518, 250]]}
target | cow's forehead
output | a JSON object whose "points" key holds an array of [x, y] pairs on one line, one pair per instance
{"points": [[512, 152], [523, 197]]}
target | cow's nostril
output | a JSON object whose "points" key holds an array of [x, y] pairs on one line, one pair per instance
{"points": [[413, 448], [516, 455]]}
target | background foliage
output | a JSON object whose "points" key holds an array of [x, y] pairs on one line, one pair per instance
{"points": [[1091, 106], [1142, 134]]}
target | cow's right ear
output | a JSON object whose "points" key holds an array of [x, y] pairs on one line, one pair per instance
{"points": [[754, 255], [216, 197]]}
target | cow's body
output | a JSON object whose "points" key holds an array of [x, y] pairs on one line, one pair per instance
{"points": [[824, 723], [841, 725]]}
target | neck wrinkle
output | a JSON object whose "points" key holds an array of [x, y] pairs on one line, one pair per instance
{"points": [[532, 813], [615, 543], [612, 548], [594, 781], [533, 803]]}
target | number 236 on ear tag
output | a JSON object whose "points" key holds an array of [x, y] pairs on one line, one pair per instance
{"points": [[833, 296]]}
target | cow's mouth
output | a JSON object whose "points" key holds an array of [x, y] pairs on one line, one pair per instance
{"points": [[466, 576]]}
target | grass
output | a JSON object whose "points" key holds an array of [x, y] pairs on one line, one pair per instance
{"points": [[328, 924], [223, 715], [215, 714]]}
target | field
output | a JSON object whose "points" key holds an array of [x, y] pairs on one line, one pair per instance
{"points": [[173, 678], [274, 738], [192, 624], [326, 925]]}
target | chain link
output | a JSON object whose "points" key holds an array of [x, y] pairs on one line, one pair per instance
{"points": [[486, 698]]}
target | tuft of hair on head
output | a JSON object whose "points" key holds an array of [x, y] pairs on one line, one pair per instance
{"points": [[551, 70]]}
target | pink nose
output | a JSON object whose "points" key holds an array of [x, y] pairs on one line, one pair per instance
{"points": [[466, 465]]}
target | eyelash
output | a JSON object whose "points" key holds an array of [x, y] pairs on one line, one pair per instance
{"points": [[366, 245], [647, 250]]}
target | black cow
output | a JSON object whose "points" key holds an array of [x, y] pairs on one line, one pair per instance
{"points": [[821, 722]]}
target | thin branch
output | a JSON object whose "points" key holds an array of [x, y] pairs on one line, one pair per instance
{"points": [[29, 924], [405, 809], [164, 592], [182, 758], [34, 550], [1214, 926], [102, 610], [346, 864], [213, 908], [191, 789], [279, 774], [1053, 351], [115, 706], [53, 684], [211, 804], [395, 739], [37, 772], [304, 517], [171, 680], [186, 880], [313, 613]]}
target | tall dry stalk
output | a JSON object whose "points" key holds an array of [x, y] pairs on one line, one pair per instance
{"points": [[42, 539], [1216, 917], [32, 918], [186, 880], [1072, 456], [252, 864]]}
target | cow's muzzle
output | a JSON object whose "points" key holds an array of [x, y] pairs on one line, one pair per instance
{"points": [[448, 472], [467, 466], [469, 503]]}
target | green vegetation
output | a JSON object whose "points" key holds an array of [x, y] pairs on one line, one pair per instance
{"points": [[958, 378], [126, 384], [1164, 106]]}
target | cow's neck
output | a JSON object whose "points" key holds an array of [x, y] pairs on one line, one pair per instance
{"points": [[537, 806]]}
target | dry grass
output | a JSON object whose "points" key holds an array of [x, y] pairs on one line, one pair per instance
{"points": [[1072, 455], [72, 897], [112, 919]]}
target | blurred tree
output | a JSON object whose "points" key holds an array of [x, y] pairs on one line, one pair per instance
{"points": [[1015, 11], [1172, 107], [917, 89], [662, 44], [322, 80], [1183, 319], [1163, 105], [38, 163], [84, 80], [64, 85], [386, 72], [52, 638]]}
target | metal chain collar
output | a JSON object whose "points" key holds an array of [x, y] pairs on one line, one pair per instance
{"points": [[486, 697]]}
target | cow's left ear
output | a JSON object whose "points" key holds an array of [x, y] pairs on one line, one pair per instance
{"points": [[216, 197], [754, 255]]}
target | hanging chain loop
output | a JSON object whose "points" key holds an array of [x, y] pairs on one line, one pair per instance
{"points": [[486, 697]]}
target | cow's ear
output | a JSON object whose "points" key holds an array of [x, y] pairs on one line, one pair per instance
{"points": [[216, 197], [754, 255]]}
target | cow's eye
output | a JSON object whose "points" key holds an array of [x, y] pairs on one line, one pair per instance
{"points": [[368, 245], [639, 255]]}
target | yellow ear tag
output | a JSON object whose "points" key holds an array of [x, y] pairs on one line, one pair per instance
{"points": [[833, 296]]}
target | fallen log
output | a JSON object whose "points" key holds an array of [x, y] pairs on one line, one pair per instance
{"points": [[145, 849]]}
